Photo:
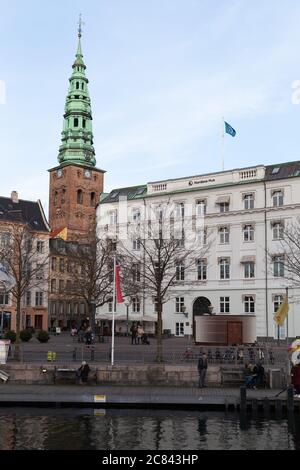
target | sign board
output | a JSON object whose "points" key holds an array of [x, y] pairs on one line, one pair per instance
{"points": [[99, 398], [4, 347]]}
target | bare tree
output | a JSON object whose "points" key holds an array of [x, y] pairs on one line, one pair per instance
{"points": [[93, 272], [166, 255], [289, 259], [27, 268]]}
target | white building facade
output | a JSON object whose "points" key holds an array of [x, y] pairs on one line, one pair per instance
{"points": [[233, 291]]}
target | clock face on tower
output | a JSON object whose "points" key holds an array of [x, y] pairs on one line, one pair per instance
{"points": [[59, 173], [87, 174]]}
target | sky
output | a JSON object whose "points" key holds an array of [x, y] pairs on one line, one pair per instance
{"points": [[162, 74]]}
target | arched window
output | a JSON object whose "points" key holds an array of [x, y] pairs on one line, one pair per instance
{"points": [[93, 198], [84, 123], [76, 122], [63, 196], [77, 85], [79, 196], [82, 86], [55, 198]]}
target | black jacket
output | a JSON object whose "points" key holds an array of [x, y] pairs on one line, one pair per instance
{"points": [[202, 363]]}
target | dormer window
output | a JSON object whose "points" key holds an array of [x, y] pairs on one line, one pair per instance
{"points": [[276, 170]]}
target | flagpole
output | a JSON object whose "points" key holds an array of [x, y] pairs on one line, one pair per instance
{"points": [[223, 144], [287, 343], [113, 317]]}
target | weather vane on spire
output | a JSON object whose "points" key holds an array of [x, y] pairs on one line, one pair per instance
{"points": [[80, 24]]}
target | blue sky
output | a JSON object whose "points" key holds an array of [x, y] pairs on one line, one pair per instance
{"points": [[162, 74]]}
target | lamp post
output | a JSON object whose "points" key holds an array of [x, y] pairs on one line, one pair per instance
{"points": [[185, 313], [127, 303]]}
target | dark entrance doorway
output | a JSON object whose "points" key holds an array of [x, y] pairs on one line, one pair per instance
{"points": [[202, 306]]}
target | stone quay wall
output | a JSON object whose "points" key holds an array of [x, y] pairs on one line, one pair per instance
{"points": [[135, 375]]}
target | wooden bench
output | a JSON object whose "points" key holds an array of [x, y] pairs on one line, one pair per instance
{"points": [[230, 376], [66, 375]]}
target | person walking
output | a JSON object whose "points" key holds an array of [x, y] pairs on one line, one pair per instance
{"points": [[140, 333], [202, 369]]}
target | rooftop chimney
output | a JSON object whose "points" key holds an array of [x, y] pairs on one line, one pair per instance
{"points": [[15, 197]]}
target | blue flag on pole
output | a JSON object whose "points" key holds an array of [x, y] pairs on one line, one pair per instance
{"points": [[229, 130]]}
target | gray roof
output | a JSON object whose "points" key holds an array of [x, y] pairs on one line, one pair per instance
{"points": [[28, 212], [282, 171], [134, 192]]}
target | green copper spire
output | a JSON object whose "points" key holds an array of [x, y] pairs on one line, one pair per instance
{"points": [[77, 135]]}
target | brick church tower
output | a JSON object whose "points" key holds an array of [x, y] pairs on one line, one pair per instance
{"points": [[76, 183]]}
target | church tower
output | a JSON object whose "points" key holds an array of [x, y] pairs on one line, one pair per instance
{"points": [[76, 183]]}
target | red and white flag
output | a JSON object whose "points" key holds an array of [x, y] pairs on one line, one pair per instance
{"points": [[119, 294]]}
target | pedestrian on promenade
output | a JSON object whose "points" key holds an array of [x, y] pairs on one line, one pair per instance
{"points": [[88, 336], [202, 369], [133, 331], [84, 370], [140, 333]]}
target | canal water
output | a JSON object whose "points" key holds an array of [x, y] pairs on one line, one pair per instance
{"points": [[89, 429]]}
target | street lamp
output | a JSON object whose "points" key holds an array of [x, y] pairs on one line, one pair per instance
{"points": [[4, 293], [127, 303]]}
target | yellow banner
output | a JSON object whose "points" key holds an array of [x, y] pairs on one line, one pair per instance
{"points": [[282, 312]]}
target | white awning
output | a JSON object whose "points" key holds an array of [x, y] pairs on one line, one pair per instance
{"points": [[223, 200], [248, 259]]}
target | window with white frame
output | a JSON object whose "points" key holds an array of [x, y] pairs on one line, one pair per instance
{"points": [[224, 207], [136, 244], [279, 331], [201, 207], [180, 271], [136, 215], [136, 272], [224, 268], [248, 233], [249, 270], [136, 305], [278, 230], [278, 266], [110, 305], [249, 201], [277, 197], [277, 301], [202, 236], [113, 217], [179, 329], [39, 297], [224, 235], [4, 298], [53, 286], [39, 272], [224, 304], [202, 269], [249, 304], [179, 210], [179, 305], [28, 298], [4, 239]]}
